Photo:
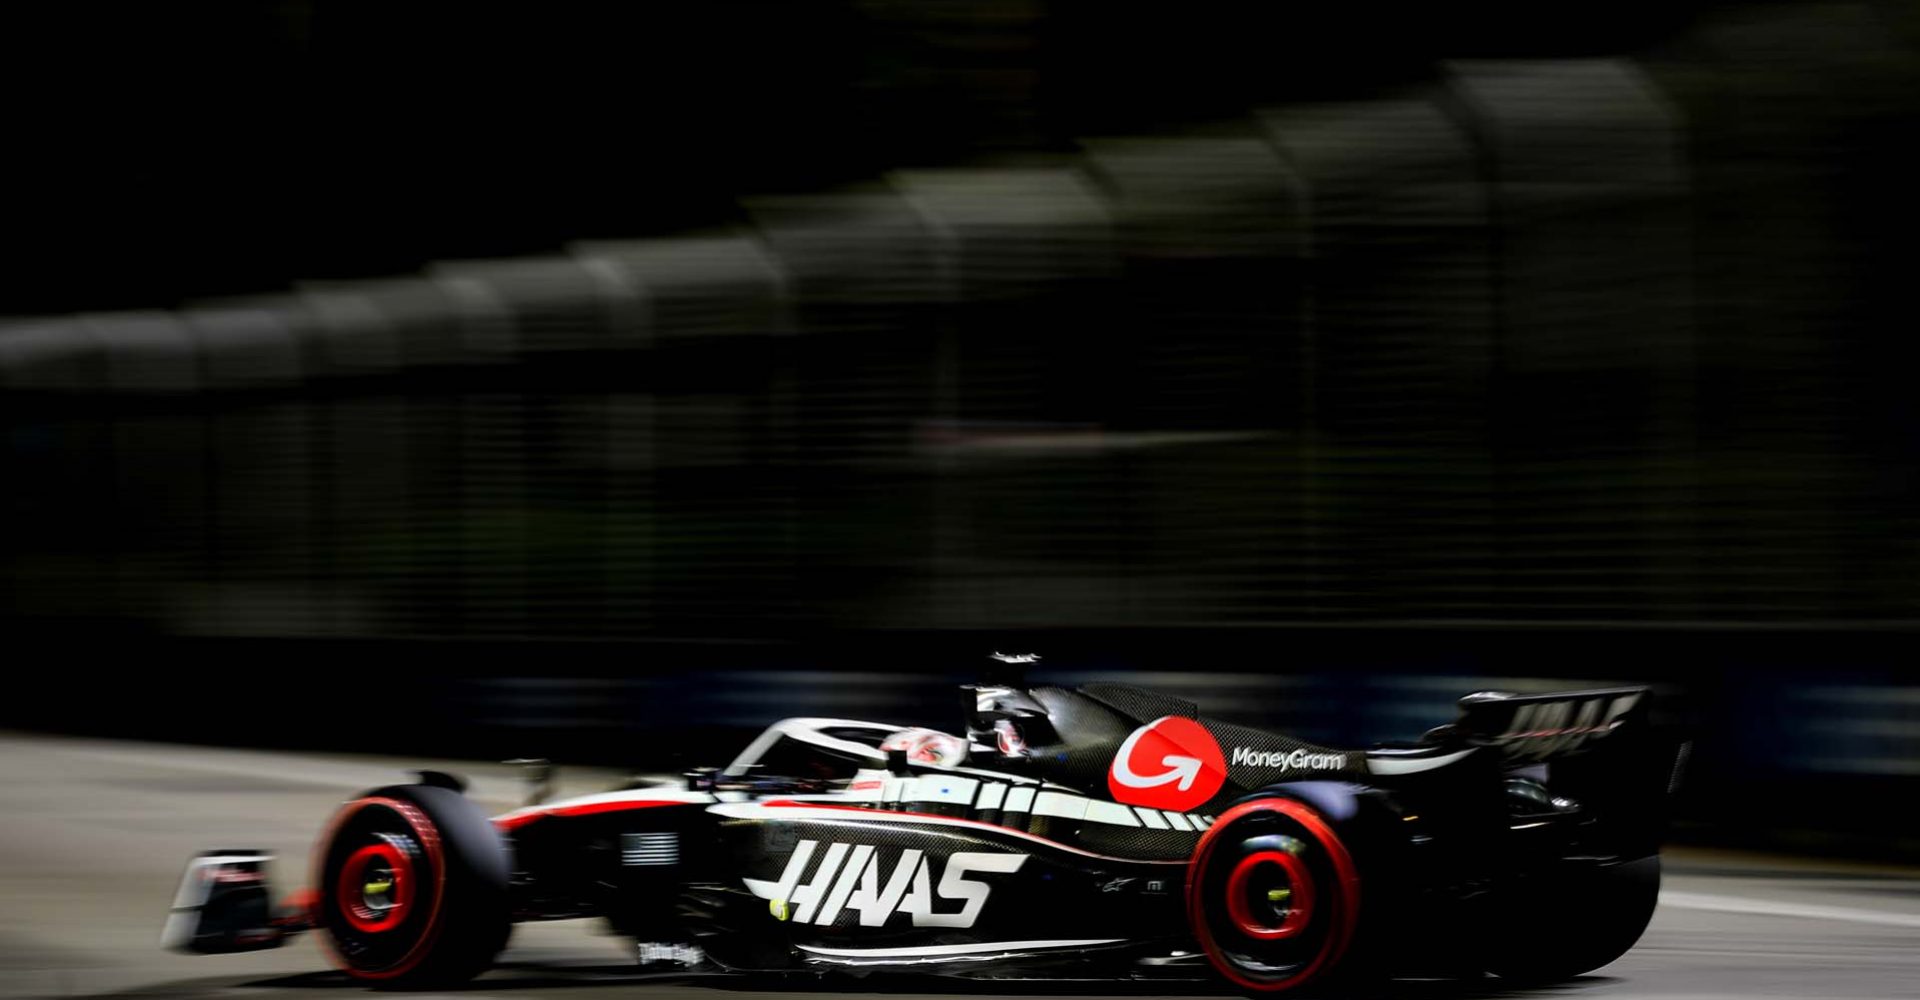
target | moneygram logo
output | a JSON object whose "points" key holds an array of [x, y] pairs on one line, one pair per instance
{"points": [[1169, 763], [1296, 760]]}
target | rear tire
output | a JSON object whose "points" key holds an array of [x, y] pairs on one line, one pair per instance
{"points": [[1273, 896], [1569, 925], [413, 888]]}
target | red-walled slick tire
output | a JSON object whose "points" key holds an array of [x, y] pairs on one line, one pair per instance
{"points": [[1273, 896], [413, 888]]}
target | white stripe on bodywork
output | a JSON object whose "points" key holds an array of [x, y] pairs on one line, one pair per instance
{"points": [[1179, 821], [991, 795], [1110, 813], [1411, 765], [856, 817], [808, 731], [667, 793], [1152, 818], [1080, 807], [1020, 800], [1063, 806], [936, 950], [1001, 776]]}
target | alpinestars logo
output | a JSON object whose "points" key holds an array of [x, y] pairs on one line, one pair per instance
{"points": [[1169, 763], [852, 877]]}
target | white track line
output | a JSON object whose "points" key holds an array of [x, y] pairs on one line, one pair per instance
{"points": [[1768, 908]]}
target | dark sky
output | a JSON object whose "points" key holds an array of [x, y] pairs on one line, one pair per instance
{"points": [[157, 152]]}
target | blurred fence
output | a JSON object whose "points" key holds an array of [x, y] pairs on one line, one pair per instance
{"points": [[1592, 342], [1576, 340], [1797, 740]]}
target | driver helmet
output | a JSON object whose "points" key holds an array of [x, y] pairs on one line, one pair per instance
{"points": [[928, 746]]}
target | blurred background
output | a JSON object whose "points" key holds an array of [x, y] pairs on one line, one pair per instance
{"points": [[601, 382]]}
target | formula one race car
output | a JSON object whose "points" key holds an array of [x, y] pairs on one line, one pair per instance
{"points": [[1103, 831]]}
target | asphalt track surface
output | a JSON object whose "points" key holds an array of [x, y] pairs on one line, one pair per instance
{"points": [[94, 834]]}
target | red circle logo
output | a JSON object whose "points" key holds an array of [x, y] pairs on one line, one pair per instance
{"points": [[1169, 763]]}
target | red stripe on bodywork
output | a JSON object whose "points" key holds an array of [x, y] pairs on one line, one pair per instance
{"points": [[513, 821], [995, 827]]}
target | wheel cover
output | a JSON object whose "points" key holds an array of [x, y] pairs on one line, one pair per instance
{"points": [[1291, 891], [382, 906]]}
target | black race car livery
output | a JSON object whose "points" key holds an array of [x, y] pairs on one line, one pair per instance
{"points": [[1096, 831]]}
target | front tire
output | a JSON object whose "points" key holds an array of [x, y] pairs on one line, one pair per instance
{"points": [[1273, 896], [413, 888]]}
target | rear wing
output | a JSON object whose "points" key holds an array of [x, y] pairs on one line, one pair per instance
{"points": [[1527, 728]]}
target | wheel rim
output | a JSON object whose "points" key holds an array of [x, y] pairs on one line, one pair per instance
{"points": [[1272, 895], [376, 886]]}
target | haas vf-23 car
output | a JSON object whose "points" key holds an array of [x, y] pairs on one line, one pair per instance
{"points": [[1086, 832]]}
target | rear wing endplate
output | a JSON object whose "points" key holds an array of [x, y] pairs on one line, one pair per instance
{"points": [[1533, 727]]}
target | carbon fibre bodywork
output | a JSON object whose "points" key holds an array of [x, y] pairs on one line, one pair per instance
{"points": [[1048, 870], [1108, 831]]}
